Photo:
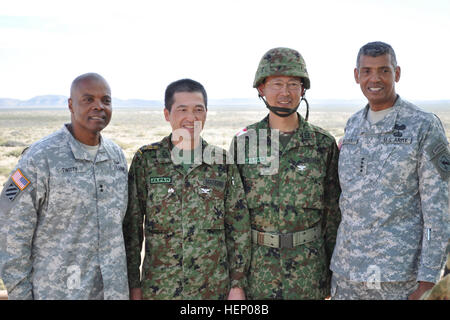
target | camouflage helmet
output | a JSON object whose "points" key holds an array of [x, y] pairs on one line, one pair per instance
{"points": [[282, 62]]}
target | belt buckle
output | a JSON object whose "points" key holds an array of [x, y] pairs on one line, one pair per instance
{"points": [[286, 240]]}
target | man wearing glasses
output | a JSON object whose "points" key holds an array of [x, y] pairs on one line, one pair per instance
{"points": [[289, 171]]}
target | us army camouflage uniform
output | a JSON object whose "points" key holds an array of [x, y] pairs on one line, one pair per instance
{"points": [[62, 234], [303, 193], [394, 201], [197, 229]]}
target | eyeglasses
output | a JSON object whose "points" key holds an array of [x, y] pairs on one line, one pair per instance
{"points": [[278, 85]]}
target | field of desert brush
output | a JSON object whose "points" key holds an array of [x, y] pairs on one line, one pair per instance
{"points": [[132, 128]]}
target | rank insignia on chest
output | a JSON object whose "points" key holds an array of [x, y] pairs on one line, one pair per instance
{"points": [[301, 167], [205, 190], [154, 180], [306, 136]]}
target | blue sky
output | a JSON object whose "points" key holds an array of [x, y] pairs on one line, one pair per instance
{"points": [[141, 46]]}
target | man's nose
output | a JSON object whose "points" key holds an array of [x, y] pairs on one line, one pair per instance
{"points": [[284, 89], [191, 116], [374, 77], [99, 105]]}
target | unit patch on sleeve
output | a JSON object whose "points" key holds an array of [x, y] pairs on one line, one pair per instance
{"points": [[11, 191], [440, 156]]}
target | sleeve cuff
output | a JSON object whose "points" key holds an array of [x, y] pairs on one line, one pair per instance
{"points": [[238, 280], [428, 274]]}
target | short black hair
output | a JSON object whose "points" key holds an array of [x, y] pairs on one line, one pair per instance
{"points": [[375, 49], [183, 85]]}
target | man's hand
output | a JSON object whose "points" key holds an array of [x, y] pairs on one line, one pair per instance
{"points": [[136, 294], [236, 294], [423, 287]]}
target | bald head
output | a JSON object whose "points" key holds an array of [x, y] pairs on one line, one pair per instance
{"points": [[87, 77]]}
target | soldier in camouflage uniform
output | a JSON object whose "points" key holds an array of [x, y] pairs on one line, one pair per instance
{"points": [[196, 221], [289, 171], [61, 210], [394, 168]]}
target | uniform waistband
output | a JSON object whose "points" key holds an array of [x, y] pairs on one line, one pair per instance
{"points": [[286, 240]]}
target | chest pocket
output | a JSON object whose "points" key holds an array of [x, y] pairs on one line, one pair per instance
{"points": [[308, 182], [258, 184], [73, 181], [397, 165], [212, 199], [162, 208]]}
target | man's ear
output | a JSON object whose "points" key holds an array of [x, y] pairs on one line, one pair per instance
{"points": [[69, 103], [356, 74], [260, 89], [166, 114], [398, 72]]}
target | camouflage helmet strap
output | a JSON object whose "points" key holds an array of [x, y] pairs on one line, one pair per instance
{"points": [[286, 112], [307, 107]]}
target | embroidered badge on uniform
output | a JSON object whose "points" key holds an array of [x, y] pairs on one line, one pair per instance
{"points": [[243, 131], [11, 192], [19, 179], [444, 162], [154, 180]]}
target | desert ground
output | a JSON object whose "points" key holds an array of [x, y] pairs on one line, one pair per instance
{"points": [[132, 128]]}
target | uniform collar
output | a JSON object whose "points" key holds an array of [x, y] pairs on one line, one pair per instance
{"points": [[103, 154], [386, 125], [165, 147], [304, 135]]}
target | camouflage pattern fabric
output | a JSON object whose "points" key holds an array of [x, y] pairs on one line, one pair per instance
{"points": [[441, 290], [343, 289], [3, 292], [197, 227], [61, 218], [301, 193], [282, 62], [394, 201]]}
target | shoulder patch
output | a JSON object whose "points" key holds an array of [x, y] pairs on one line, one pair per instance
{"points": [[439, 155], [11, 191], [442, 163], [243, 131], [20, 180]]}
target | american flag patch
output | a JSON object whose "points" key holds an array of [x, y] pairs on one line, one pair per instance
{"points": [[19, 179]]}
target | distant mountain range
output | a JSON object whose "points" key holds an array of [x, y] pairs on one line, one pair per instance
{"points": [[57, 101]]}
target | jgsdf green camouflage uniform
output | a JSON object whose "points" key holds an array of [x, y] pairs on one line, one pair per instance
{"points": [[292, 195], [197, 229], [441, 290], [302, 194], [61, 222], [394, 178]]}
